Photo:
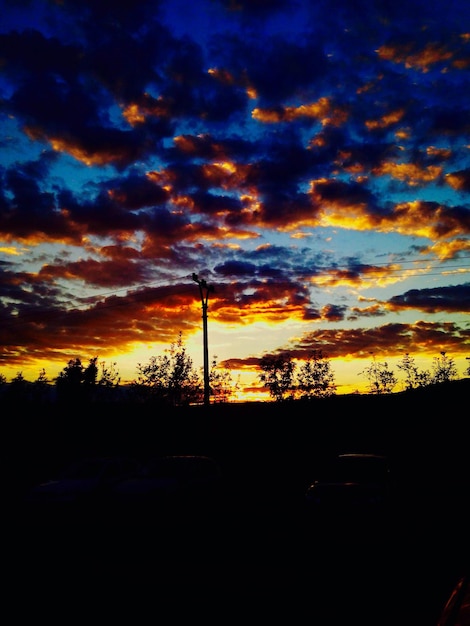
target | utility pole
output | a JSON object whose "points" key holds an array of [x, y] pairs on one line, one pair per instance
{"points": [[204, 290]]}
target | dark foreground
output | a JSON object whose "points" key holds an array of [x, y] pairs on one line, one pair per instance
{"points": [[256, 573], [256, 555], [246, 563]]}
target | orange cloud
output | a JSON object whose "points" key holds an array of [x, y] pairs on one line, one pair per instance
{"points": [[410, 173], [137, 112], [422, 60], [445, 250], [460, 181], [386, 120], [322, 110]]}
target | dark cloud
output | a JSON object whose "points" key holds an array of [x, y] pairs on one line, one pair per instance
{"points": [[30, 54], [135, 191], [113, 16], [449, 121], [101, 216], [209, 203], [256, 8], [236, 268], [454, 298], [282, 69]]}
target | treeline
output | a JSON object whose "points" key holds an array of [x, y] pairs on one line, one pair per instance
{"points": [[167, 380], [172, 380], [314, 378]]}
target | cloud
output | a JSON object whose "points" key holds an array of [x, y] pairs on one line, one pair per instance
{"points": [[454, 298]]}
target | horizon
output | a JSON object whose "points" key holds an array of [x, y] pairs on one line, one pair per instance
{"points": [[261, 394]]}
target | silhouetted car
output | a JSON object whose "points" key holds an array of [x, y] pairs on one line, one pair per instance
{"points": [[79, 492], [169, 486], [352, 484]]}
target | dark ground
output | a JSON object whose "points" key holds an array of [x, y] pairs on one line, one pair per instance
{"points": [[258, 557]]}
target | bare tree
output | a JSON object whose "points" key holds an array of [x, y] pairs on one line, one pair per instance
{"points": [[444, 369], [381, 379], [414, 378], [109, 375]]}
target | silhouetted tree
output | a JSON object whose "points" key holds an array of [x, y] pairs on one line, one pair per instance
{"points": [[277, 375], [90, 373], [152, 381], [414, 378], [381, 379], [109, 377], [18, 389], [220, 382], [72, 372], [444, 369], [74, 382], [69, 380], [40, 389], [79, 383], [168, 379], [184, 384], [315, 378]]}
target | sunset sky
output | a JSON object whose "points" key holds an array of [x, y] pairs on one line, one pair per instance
{"points": [[309, 160]]}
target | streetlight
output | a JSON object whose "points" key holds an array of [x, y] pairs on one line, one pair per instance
{"points": [[204, 290]]}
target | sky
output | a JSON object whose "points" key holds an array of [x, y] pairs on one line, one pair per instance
{"points": [[309, 160]]}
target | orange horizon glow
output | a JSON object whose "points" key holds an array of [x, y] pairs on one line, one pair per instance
{"points": [[348, 376]]}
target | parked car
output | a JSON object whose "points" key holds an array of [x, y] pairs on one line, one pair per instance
{"points": [[352, 483], [168, 487], [80, 490]]}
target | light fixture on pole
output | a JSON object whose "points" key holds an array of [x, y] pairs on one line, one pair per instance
{"points": [[204, 290]]}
